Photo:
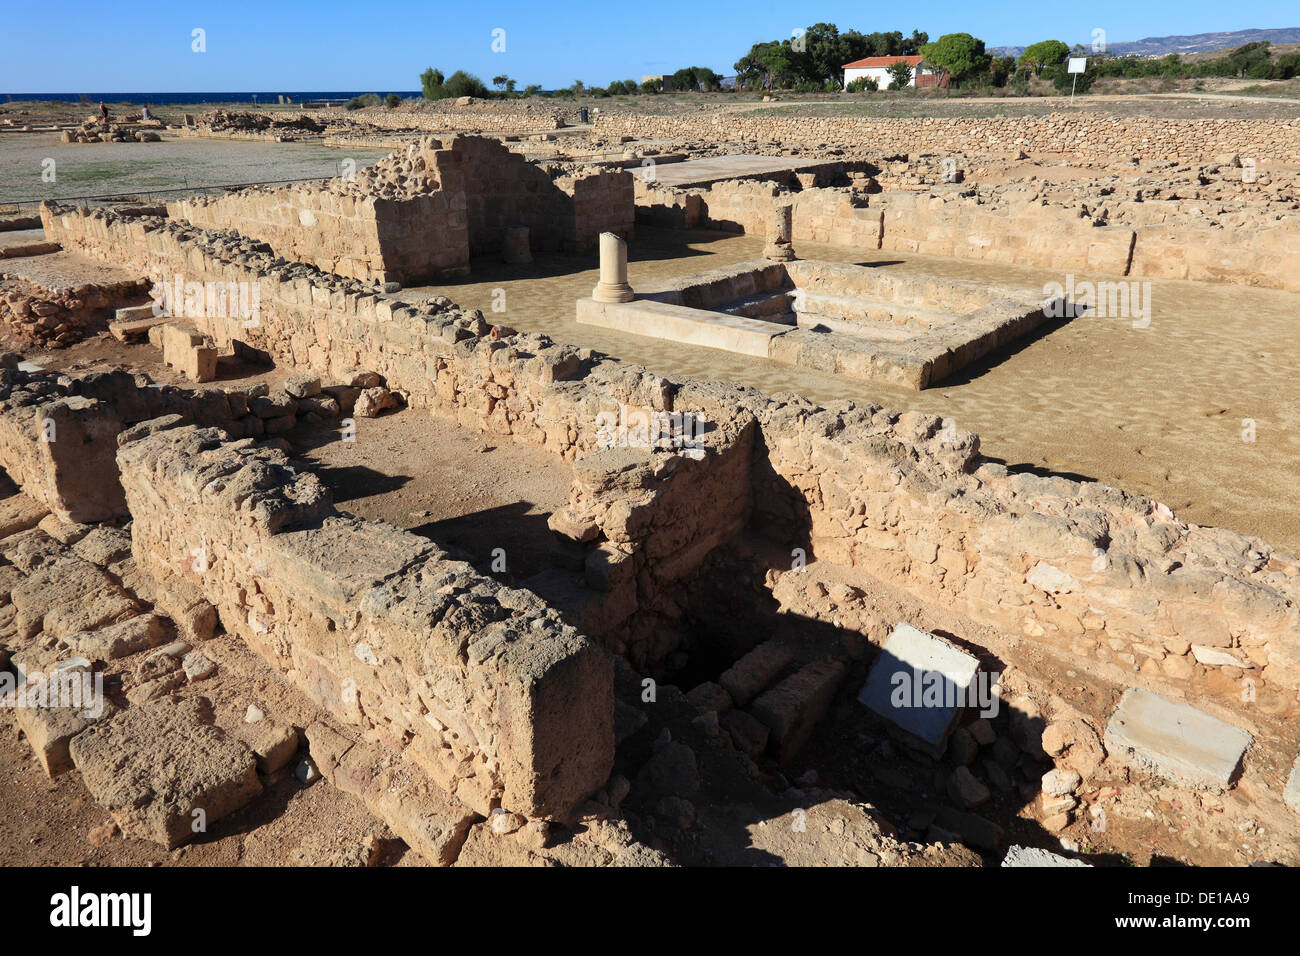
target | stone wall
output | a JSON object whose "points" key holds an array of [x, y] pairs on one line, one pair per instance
{"points": [[1151, 239], [1086, 567], [33, 315], [473, 118], [421, 213], [483, 686], [58, 435], [1078, 563], [371, 237], [1086, 135]]}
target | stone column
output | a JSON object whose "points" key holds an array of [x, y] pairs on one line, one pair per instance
{"points": [[612, 286], [779, 247]]}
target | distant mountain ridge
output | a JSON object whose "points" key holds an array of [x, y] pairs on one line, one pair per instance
{"points": [[1196, 43]]}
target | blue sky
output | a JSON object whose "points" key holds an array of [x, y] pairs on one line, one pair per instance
{"points": [[131, 46]]}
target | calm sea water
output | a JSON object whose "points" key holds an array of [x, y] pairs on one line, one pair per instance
{"points": [[161, 99]]}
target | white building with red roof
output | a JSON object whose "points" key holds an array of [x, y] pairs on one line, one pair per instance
{"points": [[877, 68]]}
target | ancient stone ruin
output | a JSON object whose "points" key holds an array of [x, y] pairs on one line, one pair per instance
{"points": [[703, 633]]}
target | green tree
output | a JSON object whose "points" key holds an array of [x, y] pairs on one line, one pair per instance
{"points": [[683, 79], [461, 83], [532, 89], [1243, 58], [1038, 56], [431, 83], [900, 75], [960, 55], [768, 66]]}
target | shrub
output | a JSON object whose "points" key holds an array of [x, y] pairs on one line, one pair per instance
{"points": [[459, 83], [900, 75], [366, 99], [863, 84], [392, 101]]}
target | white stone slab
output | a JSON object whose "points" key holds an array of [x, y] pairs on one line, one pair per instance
{"points": [[911, 663], [1020, 856], [1175, 741]]}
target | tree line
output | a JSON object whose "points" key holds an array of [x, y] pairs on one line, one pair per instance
{"points": [[813, 61]]}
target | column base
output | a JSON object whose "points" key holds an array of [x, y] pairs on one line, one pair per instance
{"points": [[613, 292]]}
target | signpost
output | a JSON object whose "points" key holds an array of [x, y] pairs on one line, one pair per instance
{"points": [[1077, 65]]}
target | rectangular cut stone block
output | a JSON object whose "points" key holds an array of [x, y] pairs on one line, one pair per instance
{"points": [[746, 678], [20, 512], [793, 707], [659, 320], [133, 324], [920, 683], [154, 765], [59, 707], [189, 353], [394, 790], [1172, 740]]}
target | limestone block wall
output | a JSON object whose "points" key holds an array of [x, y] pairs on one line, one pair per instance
{"points": [[475, 118], [565, 208], [1151, 239], [1080, 564], [483, 686], [1024, 234], [830, 215], [1089, 135], [422, 212], [58, 436], [371, 237]]}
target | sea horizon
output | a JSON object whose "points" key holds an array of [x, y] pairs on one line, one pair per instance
{"points": [[181, 98]]}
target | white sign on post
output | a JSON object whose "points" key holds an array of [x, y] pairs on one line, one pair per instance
{"points": [[1076, 66]]}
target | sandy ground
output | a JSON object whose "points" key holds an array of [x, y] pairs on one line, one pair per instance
{"points": [[473, 496]]}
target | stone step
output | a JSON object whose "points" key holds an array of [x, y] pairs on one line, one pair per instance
{"points": [[395, 790], [18, 244], [133, 323]]}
